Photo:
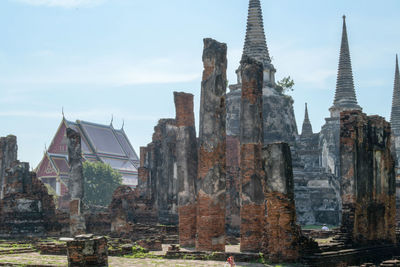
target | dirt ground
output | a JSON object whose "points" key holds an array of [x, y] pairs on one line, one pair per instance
{"points": [[36, 258]]}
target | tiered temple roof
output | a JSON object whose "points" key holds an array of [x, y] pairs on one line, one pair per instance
{"points": [[345, 96], [99, 143], [395, 114], [307, 127]]}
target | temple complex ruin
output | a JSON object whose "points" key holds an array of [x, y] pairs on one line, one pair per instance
{"points": [[248, 180]]}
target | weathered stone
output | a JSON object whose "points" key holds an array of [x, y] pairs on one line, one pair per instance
{"points": [[166, 176], [186, 158], [75, 183], [26, 209], [282, 235], [367, 179], [211, 182], [8, 154], [251, 142], [87, 250]]}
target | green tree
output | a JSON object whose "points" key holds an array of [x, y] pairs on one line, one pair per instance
{"points": [[100, 182], [285, 85]]}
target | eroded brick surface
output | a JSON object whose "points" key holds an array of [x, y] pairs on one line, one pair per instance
{"points": [[211, 182], [251, 170], [282, 234], [75, 183], [368, 179], [87, 250], [186, 160]]}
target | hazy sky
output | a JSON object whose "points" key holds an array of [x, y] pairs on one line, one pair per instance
{"points": [[96, 58]]}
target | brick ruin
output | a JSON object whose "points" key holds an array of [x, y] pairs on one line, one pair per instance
{"points": [[26, 210], [282, 234], [186, 157], [87, 250], [75, 186], [252, 208], [211, 182], [368, 179], [8, 154]]}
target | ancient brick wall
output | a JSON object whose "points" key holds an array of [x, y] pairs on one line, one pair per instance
{"points": [[8, 154], [211, 182], [251, 142], [282, 235], [186, 158], [87, 250], [27, 208], [368, 179]]}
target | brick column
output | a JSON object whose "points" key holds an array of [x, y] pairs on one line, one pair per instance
{"points": [[186, 158], [367, 179], [8, 154], [75, 183], [143, 175], [211, 182], [251, 141], [282, 234]]}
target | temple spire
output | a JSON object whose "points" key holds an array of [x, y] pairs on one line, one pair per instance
{"points": [[395, 114], [306, 130], [255, 45], [345, 96]]}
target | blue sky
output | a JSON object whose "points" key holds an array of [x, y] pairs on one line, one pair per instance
{"points": [[96, 58]]}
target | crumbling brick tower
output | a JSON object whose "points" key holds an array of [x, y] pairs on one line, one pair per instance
{"points": [[251, 142], [368, 179], [186, 159], [211, 182]]}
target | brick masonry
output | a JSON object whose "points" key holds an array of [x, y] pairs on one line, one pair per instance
{"points": [[87, 250], [251, 142], [186, 159], [282, 234], [211, 182], [368, 179], [75, 183]]}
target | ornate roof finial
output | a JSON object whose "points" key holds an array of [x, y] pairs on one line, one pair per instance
{"points": [[123, 124], [306, 130], [62, 111], [112, 120], [345, 95], [395, 114], [255, 45]]}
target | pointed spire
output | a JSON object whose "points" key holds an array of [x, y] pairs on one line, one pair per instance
{"points": [[306, 130], [255, 45], [395, 115], [345, 96]]}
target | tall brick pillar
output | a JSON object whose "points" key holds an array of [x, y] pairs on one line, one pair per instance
{"points": [[186, 158], [211, 182], [367, 179], [8, 154], [144, 187], [75, 184], [282, 234], [251, 141]]}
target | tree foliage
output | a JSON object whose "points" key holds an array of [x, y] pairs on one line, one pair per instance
{"points": [[100, 182], [285, 85]]}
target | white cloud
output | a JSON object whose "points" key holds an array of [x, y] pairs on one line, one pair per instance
{"points": [[63, 3]]}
